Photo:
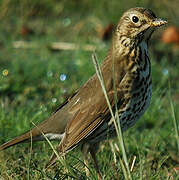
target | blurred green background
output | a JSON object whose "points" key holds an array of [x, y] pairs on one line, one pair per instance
{"points": [[35, 78]]}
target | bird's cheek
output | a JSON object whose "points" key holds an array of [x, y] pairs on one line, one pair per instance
{"points": [[142, 31]]}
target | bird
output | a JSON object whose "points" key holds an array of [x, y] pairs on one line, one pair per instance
{"points": [[84, 119]]}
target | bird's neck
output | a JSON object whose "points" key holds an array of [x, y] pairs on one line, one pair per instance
{"points": [[123, 46], [138, 59], [130, 54]]}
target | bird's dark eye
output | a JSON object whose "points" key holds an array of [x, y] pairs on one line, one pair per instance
{"points": [[135, 19]]}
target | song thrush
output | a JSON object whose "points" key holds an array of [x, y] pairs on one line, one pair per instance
{"points": [[84, 118]]}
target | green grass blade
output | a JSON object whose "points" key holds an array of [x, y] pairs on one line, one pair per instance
{"points": [[175, 123]]}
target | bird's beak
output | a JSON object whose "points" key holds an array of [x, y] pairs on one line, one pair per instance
{"points": [[158, 22]]}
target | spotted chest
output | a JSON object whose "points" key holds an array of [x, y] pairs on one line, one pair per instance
{"points": [[137, 105], [140, 94], [136, 90]]}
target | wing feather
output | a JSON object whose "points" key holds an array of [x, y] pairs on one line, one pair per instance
{"points": [[91, 108]]}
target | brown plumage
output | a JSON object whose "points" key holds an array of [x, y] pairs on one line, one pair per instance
{"points": [[84, 118]]}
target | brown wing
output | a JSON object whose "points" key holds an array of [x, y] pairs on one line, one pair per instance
{"points": [[90, 107]]}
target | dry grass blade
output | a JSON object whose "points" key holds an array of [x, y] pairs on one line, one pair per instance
{"points": [[114, 117], [114, 154], [54, 46], [121, 162], [133, 162]]}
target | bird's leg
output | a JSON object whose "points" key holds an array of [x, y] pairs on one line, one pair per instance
{"points": [[85, 151], [93, 155]]}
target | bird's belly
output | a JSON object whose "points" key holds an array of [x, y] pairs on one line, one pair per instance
{"points": [[136, 108], [130, 114]]}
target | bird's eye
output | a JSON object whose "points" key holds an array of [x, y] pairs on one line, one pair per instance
{"points": [[135, 19]]}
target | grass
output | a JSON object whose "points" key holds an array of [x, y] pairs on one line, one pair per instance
{"points": [[31, 89]]}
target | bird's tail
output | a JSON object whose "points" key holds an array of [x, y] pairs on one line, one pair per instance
{"points": [[36, 134], [20, 139]]}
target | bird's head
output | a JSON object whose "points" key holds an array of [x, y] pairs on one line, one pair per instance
{"points": [[138, 24]]}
